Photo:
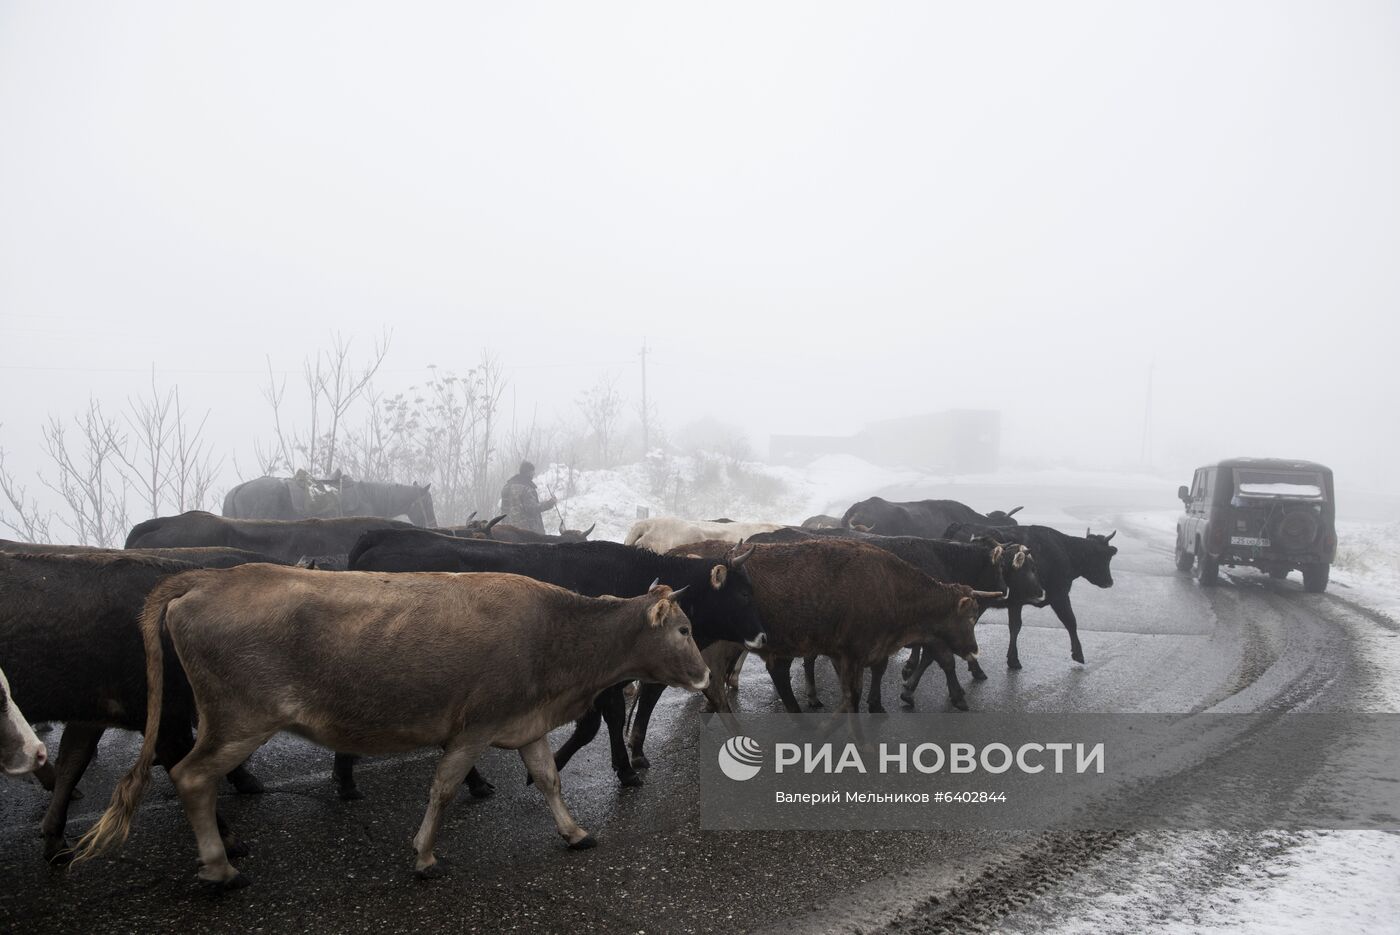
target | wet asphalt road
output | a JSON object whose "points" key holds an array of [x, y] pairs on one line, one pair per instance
{"points": [[1155, 642]]}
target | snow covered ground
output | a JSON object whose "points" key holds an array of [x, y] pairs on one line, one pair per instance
{"points": [[703, 486]]}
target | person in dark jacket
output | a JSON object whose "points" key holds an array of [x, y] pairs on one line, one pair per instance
{"points": [[520, 501]]}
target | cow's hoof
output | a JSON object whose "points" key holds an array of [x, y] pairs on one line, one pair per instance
{"points": [[907, 701], [877, 708], [433, 871], [57, 852], [629, 778], [959, 703], [250, 785], [585, 843], [480, 788], [978, 675], [814, 703], [1013, 663], [350, 794], [236, 882], [235, 849], [1077, 657], [640, 761]]}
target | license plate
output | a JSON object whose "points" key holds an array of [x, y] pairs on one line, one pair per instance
{"points": [[1249, 540]]}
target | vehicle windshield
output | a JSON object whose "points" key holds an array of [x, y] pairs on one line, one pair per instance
{"points": [[1254, 482]]}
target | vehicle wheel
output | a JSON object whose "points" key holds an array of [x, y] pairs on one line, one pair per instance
{"points": [[1315, 578], [1207, 570], [1278, 574], [1184, 559]]}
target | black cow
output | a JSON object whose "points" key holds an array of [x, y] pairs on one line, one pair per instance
{"points": [[288, 540], [927, 518], [1060, 559], [70, 628], [715, 595]]}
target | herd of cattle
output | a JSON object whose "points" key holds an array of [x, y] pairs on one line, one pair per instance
{"points": [[211, 634]]}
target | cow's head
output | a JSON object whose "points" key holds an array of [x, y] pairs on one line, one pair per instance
{"points": [[575, 535], [961, 632], [1019, 571], [998, 518], [1096, 558], [20, 751], [665, 648], [723, 605]]}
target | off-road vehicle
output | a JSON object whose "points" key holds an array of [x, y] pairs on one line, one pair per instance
{"points": [[1273, 514]]}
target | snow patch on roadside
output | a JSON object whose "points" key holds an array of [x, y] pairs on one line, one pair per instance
{"points": [[1277, 883]]}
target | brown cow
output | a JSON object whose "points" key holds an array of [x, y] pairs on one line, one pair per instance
{"points": [[849, 601], [459, 661]]}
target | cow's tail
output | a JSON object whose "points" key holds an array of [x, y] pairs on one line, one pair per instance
{"points": [[114, 826]]}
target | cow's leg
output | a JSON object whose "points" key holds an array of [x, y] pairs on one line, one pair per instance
{"points": [[809, 672], [877, 677], [478, 785], [1065, 612], [611, 706], [732, 680], [974, 669], [47, 775], [244, 781], [724, 660], [541, 766], [457, 757], [911, 679], [613, 703], [948, 663], [174, 743], [647, 698], [196, 778], [585, 729], [1013, 622], [780, 671], [852, 676], [911, 665], [343, 770], [75, 752]]}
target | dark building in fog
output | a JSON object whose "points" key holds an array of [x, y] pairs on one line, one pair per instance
{"points": [[956, 441]]}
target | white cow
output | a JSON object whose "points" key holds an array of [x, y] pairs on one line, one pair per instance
{"points": [[664, 533], [20, 750]]}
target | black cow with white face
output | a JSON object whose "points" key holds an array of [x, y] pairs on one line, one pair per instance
{"points": [[1060, 559]]}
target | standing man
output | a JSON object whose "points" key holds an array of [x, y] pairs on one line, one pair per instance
{"points": [[520, 501]]}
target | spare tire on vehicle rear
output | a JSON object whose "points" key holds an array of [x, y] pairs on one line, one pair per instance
{"points": [[1295, 530]]}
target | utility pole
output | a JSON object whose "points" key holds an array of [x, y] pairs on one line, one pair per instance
{"points": [[646, 413]]}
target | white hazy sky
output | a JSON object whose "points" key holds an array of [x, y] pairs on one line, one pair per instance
{"points": [[817, 214]]}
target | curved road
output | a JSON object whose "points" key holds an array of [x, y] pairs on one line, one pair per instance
{"points": [[1155, 642]]}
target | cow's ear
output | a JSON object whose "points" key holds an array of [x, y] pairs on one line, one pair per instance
{"points": [[658, 612], [718, 575], [966, 605]]}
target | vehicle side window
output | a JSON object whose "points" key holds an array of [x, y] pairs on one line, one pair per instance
{"points": [[1209, 491], [1196, 485]]}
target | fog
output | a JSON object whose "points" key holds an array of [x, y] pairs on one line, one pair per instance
{"points": [[814, 215]]}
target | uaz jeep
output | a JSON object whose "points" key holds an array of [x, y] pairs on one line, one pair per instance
{"points": [[1275, 515]]}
